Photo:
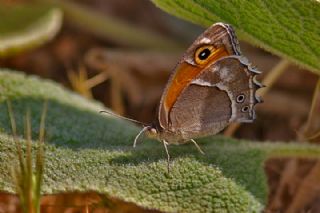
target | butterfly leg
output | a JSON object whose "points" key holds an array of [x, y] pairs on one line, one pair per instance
{"points": [[138, 135], [165, 144], [198, 147]]}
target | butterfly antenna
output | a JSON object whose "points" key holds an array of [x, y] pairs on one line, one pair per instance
{"points": [[138, 135], [124, 118]]}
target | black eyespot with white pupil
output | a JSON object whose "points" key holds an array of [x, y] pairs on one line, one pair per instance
{"points": [[245, 109], [240, 98], [204, 54]]}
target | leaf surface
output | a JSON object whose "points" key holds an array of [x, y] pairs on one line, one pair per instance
{"points": [[290, 29], [26, 26], [88, 151]]}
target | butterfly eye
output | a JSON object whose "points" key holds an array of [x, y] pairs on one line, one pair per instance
{"points": [[245, 109], [240, 98], [203, 53]]}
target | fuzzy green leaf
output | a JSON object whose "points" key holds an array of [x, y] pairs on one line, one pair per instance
{"points": [[88, 151], [27, 26], [290, 29]]}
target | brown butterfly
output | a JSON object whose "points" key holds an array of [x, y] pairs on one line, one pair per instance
{"points": [[211, 87]]}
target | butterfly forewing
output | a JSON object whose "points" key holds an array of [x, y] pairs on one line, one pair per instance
{"points": [[222, 41]]}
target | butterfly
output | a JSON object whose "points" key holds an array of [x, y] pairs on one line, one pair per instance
{"points": [[212, 86]]}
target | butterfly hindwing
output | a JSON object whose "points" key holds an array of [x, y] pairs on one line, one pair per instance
{"points": [[224, 92], [200, 111], [235, 76]]}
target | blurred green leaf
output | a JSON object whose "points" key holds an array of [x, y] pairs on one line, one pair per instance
{"points": [[290, 29], [114, 29], [25, 26], [88, 151]]}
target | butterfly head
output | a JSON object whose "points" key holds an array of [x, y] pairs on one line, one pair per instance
{"points": [[152, 132]]}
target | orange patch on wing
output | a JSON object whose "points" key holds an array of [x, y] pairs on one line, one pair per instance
{"points": [[184, 74]]}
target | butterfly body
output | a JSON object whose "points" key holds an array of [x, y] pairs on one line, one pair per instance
{"points": [[212, 86]]}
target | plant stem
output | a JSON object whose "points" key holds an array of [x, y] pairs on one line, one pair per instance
{"points": [[286, 150], [111, 28], [310, 131], [290, 150]]}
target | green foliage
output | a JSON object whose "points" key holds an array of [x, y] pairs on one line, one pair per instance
{"points": [[28, 180], [90, 151], [27, 26], [290, 29]]}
